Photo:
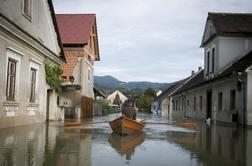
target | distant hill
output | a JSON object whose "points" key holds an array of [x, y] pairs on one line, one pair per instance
{"points": [[109, 84]]}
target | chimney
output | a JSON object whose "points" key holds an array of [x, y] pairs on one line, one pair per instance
{"points": [[199, 68], [193, 72]]}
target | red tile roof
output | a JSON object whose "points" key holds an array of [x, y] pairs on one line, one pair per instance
{"points": [[75, 28]]}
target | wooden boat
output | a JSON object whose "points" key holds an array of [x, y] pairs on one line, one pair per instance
{"points": [[68, 124], [124, 125]]}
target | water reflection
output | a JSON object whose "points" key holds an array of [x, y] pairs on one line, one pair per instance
{"points": [[125, 145], [95, 144]]}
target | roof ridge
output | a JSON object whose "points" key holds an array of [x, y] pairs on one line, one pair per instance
{"points": [[75, 13], [230, 13]]}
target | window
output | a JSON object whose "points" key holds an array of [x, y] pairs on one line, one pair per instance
{"points": [[64, 78], [183, 103], [89, 75], [95, 46], [208, 62], [11, 79], [176, 105], [27, 8], [232, 100], [33, 85], [201, 103], [188, 103], [213, 57], [194, 103], [90, 40], [220, 101]]}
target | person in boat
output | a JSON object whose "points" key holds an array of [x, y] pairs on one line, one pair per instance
{"points": [[129, 110]]}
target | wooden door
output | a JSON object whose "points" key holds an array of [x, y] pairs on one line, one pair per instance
{"points": [[86, 107]]}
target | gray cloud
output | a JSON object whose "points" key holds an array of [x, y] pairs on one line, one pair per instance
{"points": [[151, 40]]}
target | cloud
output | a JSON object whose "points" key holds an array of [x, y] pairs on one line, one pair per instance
{"points": [[151, 40], [107, 70]]}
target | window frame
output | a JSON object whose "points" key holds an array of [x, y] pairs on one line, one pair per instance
{"points": [[194, 103], [10, 96], [16, 56], [201, 103], [220, 101], [34, 65], [33, 80], [89, 75], [26, 8], [213, 53], [208, 62], [232, 101]]}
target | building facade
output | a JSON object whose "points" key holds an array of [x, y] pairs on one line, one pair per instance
{"points": [[28, 39], [222, 90], [80, 42]]}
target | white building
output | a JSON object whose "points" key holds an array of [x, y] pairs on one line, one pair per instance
{"points": [[223, 90], [28, 38], [113, 95]]}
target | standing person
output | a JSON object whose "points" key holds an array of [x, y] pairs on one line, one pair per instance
{"points": [[129, 110]]}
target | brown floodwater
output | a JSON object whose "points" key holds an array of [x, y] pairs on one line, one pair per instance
{"points": [[96, 145]]}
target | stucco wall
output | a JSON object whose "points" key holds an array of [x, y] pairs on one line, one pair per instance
{"points": [[25, 109], [249, 97], [227, 49], [224, 86], [231, 48], [87, 85], [40, 26]]}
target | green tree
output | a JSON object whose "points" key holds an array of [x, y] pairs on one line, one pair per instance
{"points": [[106, 109], [150, 92], [144, 103], [53, 74]]}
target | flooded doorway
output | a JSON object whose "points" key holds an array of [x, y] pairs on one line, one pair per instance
{"points": [[48, 97], [209, 104]]}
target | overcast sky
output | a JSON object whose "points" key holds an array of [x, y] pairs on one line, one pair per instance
{"points": [[150, 40]]}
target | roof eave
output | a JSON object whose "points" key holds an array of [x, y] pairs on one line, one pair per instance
{"points": [[56, 29]]}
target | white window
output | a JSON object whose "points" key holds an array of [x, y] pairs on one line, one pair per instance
{"points": [[89, 75], [33, 83], [27, 8], [33, 74], [213, 59], [12, 74], [11, 79], [207, 62]]}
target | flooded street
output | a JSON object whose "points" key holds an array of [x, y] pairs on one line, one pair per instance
{"points": [[95, 145]]}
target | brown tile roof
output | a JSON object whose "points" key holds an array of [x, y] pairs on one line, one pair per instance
{"points": [[75, 28], [231, 22]]}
